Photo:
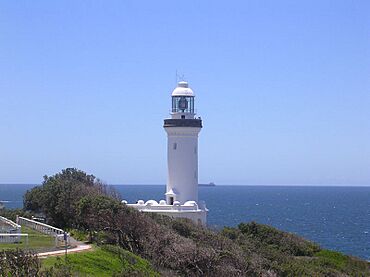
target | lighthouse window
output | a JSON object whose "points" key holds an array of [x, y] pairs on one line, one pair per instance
{"points": [[184, 104], [175, 146], [195, 150]]}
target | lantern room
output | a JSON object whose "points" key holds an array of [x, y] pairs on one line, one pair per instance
{"points": [[183, 101]]}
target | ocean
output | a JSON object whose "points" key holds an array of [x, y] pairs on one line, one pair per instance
{"points": [[337, 218]]}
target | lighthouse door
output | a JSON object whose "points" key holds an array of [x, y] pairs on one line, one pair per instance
{"points": [[170, 200]]}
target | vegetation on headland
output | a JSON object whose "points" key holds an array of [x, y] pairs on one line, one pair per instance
{"points": [[176, 247]]}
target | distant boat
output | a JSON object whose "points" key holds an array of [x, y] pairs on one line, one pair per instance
{"points": [[211, 184]]}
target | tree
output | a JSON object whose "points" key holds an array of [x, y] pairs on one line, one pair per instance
{"points": [[58, 195], [94, 213], [126, 226]]}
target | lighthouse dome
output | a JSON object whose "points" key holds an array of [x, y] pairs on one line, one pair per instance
{"points": [[183, 89]]}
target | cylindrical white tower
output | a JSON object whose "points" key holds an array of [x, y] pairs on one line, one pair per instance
{"points": [[182, 147]]}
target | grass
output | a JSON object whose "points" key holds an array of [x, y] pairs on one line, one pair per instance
{"points": [[36, 241], [325, 263], [337, 259], [103, 261]]}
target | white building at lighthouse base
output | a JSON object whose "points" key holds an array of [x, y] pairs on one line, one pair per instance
{"points": [[197, 212]]}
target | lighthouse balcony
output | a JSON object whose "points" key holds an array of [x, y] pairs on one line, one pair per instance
{"points": [[183, 123]]}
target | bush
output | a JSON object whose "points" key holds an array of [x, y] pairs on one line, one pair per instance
{"points": [[283, 241], [335, 258], [18, 263], [12, 213]]}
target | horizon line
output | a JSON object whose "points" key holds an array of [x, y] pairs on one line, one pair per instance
{"points": [[225, 185]]}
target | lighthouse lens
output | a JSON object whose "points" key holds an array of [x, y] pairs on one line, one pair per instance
{"points": [[183, 103]]}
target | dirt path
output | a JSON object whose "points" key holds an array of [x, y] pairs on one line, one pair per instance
{"points": [[79, 248]]}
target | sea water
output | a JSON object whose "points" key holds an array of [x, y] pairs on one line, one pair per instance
{"points": [[337, 218]]}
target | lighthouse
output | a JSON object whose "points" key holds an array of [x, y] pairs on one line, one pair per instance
{"points": [[181, 196], [182, 147]]}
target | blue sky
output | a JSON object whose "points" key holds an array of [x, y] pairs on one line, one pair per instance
{"points": [[283, 88]]}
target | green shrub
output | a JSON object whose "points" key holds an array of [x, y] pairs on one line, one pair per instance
{"points": [[285, 242], [335, 258], [12, 213], [80, 235], [18, 263]]}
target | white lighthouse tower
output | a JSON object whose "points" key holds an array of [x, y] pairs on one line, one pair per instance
{"points": [[182, 147], [182, 159]]}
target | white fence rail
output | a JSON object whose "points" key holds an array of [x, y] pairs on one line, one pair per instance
{"points": [[39, 226], [9, 225], [9, 231], [12, 238], [45, 229]]}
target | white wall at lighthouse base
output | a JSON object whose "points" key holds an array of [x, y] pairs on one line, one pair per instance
{"points": [[198, 217], [190, 210]]}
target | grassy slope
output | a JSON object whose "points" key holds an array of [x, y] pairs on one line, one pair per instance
{"points": [[104, 261], [36, 241], [290, 255]]}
